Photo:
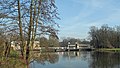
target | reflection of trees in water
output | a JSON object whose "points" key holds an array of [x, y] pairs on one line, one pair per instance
{"points": [[105, 60], [17, 62], [85, 55], [42, 58]]}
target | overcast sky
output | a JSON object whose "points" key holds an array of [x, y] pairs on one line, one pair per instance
{"points": [[78, 15]]}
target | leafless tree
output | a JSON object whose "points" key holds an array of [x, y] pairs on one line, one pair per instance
{"points": [[28, 18]]}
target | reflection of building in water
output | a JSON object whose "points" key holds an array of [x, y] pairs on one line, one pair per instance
{"points": [[72, 54], [76, 54]]}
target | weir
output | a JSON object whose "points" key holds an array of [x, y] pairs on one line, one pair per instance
{"points": [[69, 47]]}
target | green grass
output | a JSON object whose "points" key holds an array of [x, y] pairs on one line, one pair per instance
{"points": [[109, 49]]}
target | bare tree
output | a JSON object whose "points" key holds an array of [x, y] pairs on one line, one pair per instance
{"points": [[28, 18], [105, 36]]}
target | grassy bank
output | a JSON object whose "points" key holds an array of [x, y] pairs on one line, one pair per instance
{"points": [[108, 49]]}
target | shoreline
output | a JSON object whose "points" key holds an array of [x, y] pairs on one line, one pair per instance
{"points": [[108, 49]]}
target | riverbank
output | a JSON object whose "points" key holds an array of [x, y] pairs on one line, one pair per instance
{"points": [[108, 49]]}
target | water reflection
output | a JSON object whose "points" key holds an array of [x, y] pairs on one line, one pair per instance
{"points": [[72, 55], [81, 59], [42, 58], [78, 60], [60, 60], [105, 60]]}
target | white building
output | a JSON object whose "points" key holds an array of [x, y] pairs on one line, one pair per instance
{"points": [[16, 45]]}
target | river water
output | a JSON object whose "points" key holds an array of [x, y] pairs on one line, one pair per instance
{"points": [[83, 59]]}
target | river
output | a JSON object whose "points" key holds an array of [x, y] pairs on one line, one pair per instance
{"points": [[83, 59]]}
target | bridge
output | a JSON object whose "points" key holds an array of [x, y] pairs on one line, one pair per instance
{"points": [[70, 47], [76, 47]]}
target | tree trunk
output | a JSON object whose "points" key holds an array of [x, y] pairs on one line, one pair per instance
{"points": [[29, 31], [6, 48], [20, 29]]}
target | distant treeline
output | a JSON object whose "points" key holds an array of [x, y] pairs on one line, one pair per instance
{"points": [[72, 41], [105, 36]]}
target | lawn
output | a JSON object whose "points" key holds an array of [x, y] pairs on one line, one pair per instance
{"points": [[109, 49]]}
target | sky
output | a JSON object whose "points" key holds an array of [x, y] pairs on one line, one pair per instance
{"points": [[77, 16]]}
